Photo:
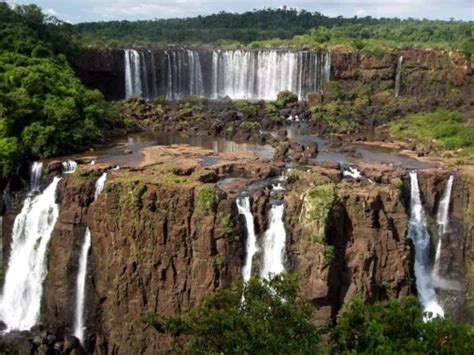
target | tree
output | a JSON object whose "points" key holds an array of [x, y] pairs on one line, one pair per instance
{"points": [[261, 317]]}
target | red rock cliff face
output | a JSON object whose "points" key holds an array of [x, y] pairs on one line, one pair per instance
{"points": [[156, 248], [162, 241]]}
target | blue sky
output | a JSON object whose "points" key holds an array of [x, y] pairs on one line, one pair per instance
{"points": [[103, 10]]}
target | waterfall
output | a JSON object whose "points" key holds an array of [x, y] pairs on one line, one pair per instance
{"points": [[239, 74], [262, 74], [243, 205], [274, 241], [398, 76], [133, 81], [81, 276], [420, 237], [35, 178], [442, 219], [69, 166], [21, 299]]}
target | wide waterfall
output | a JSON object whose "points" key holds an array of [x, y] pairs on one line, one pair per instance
{"points": [[398, 75], [420, 237], [81, 276], [247, 74], [243, 205], [21, 299], [239, 74], [274, 241]]}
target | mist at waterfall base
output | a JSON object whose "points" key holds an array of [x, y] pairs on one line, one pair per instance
{"points": [[81, 276], [21, 299], [418, 233], [238, 74]]}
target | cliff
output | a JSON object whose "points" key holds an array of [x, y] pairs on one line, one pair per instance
{"points": [[168, 233], [423, 73]]}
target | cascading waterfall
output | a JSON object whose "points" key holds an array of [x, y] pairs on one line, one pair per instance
{"points": [[274, 241], [420, 237], [21, 299], [81, 276], [239, 74], [398, 74], [442, 219], [69, 166], [243, 205], [262, 74], [133, 81]]}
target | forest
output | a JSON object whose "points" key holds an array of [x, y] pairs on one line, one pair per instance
{"points": [[276, 27], [44, 108]]}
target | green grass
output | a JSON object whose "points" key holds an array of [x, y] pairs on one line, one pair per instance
{"points": [[447, 130], [206, 198]]}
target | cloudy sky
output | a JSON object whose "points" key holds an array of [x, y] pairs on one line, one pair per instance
{"points": [[103, 10]]}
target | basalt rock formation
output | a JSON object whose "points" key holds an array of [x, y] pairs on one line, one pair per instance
{"points": [[167, 233]]}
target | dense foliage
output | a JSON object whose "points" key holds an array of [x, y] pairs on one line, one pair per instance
{"points": [[268, 317], [398, 328], [271, 320], [44, 109], [276, 26]]}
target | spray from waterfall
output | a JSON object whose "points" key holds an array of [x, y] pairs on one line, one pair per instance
{"points": [[21, 299], [398, 74], [420, 237], [243, 205], [274, 241], [81, 276]]}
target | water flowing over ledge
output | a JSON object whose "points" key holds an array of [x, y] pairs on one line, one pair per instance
{"points": [[21, 299], [238, 74], [418, 233]]}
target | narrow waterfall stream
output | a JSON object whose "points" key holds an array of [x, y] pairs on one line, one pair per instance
{"points": [[21, 299], [442, 219], [243, 205], [420, 237], [273, 245], [69, 166], [398, 75], [81, 276]]}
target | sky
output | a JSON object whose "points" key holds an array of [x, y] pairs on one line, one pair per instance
{"points": [[75, 11]]}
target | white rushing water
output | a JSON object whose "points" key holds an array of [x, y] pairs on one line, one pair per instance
{"points": [[442, 219], [133, 81], [398, 75], [239, 74], [69, 166], [81, 276], [420, 237], [274, 241], [262, 74], [21, 299], [352, 172], [243, 205]]}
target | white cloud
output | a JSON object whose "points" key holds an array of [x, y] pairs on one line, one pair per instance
{"points": [[360, 13]]}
